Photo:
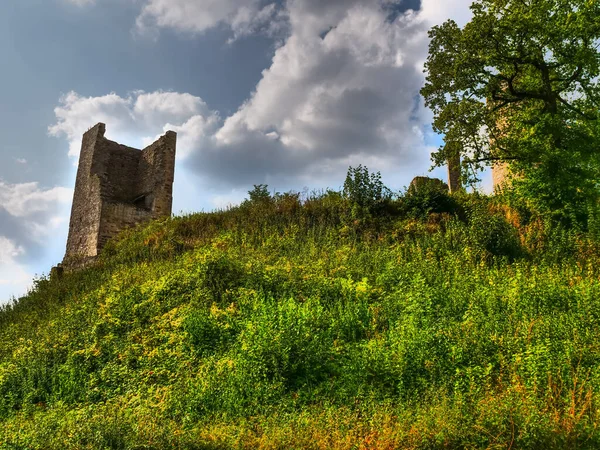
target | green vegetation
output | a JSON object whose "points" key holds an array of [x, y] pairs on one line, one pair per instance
{"points": [[520, 84], [436, 322]]}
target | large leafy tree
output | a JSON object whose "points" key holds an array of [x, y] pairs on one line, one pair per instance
{"points": [[519, 83]]}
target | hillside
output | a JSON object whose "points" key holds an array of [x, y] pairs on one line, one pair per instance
{"points": [[425, 322]]}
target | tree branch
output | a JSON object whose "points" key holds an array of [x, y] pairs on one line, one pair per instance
{"points": [[575, 109], [497, 158]]}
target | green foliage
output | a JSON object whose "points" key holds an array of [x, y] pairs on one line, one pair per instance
{"points": [[430, 198], [493, 233], [274, 325], [260, 193], [365, 191], [527, 74]]}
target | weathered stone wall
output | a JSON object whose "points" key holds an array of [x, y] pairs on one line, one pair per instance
{"points": [[118, 216], [121, 172], [117, 187], [156, 174], [87, 204]]}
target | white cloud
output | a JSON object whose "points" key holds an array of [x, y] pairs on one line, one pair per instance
{"points": [[342, 88], [31, 215], [27, 199], [14, 277], [246, 17], [32, 219], [20, 160], [159, 107], [77, 114], [9, 250], [270, 20], [197, 16], [435, 12], [136, 119]]}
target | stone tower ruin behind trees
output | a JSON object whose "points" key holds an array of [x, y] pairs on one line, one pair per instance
{"points": [[117, 187]]}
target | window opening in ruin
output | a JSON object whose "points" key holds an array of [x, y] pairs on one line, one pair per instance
{"points": [[140, 202]]}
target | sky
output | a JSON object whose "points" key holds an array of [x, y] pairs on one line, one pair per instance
{"points": [[288, 93]]}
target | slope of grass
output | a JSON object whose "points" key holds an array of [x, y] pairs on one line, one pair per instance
{"points": [[282, 324]]}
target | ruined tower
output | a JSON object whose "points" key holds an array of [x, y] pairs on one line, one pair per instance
{"points": [[118, 187], [500, 175]]}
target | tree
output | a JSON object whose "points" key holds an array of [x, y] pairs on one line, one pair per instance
{"points": [[260, 193], [365, 189], [519, 83]]}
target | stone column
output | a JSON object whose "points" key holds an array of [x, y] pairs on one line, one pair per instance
{"points": [[454, 181]]}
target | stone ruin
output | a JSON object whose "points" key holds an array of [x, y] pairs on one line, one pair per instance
{"points": [[117, 187], [500, 176], [454, 183], [419, 183]]}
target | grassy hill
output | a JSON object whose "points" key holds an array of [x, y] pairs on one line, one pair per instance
{"points": [[426, 322]]}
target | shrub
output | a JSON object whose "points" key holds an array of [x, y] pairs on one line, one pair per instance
{"points": [[260, 193], [365, 190], [493, 234], [429, 198]]}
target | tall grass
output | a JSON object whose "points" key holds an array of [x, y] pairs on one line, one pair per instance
{"points": [[298, 323]]}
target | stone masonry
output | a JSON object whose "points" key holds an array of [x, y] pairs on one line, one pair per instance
{"points": [[117, 187], [500, 175]]}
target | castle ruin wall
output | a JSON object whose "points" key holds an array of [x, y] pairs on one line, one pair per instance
{"points": [[118, 216], [118, 187], [156, 175]]}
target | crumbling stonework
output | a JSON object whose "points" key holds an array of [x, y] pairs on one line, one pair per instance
{"points": [[117, 187], [426, 183]]}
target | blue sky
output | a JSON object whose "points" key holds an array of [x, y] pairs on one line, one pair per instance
{"points": [[288, 93]]}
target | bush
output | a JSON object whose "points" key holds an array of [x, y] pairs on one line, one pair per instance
{"points": [[428, 199], [493, 234], [259, 194], [366, 192]]}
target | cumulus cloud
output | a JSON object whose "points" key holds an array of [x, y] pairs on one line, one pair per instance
{"points": [[342, 88], [197, 16], [27, 199], [135, 119], [76, 114], [31, 214], [246, 17], [14, 276], [8, 250], [31, 218]]}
